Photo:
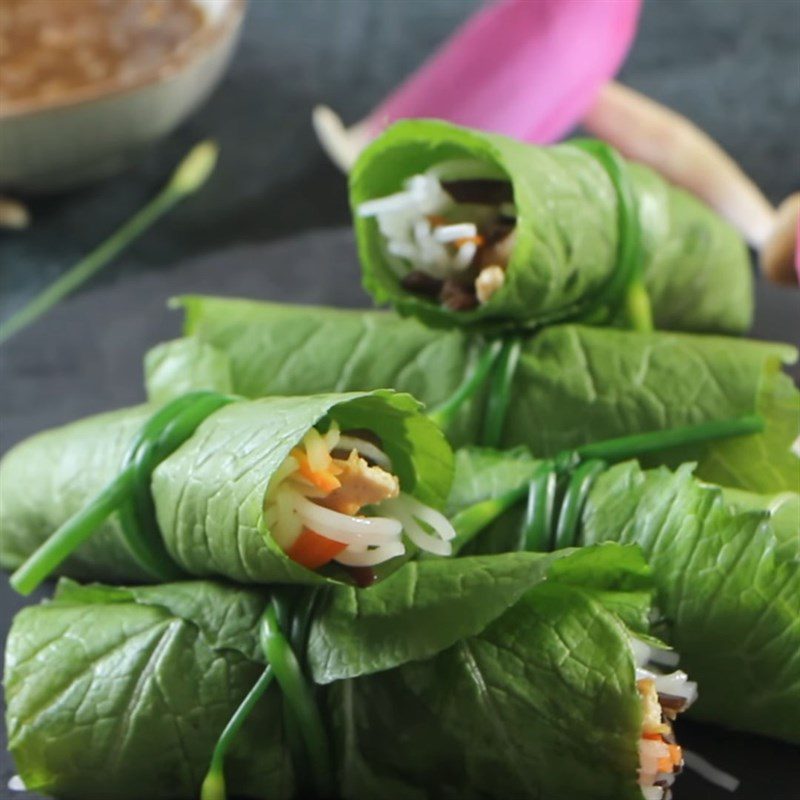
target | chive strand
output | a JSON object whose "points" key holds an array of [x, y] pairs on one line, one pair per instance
{"points": [[638, 308], [128, 494], [183, 425], [574, 500], [469, 522], [538, 522], [84, 269], [500, 392], [284, 620], [301, 621], [155, 561], [164, 432], [189, 176], [643, 443], [295, 689], [76, 530], [299, 707], [625, 285], [444, 414], [583, 464], [213, 787]]}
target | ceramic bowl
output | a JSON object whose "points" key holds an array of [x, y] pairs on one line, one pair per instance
{"points": [[48, 147]]}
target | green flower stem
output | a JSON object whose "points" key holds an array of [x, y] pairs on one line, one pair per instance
{"points": [[500, 392], [190, 175], [214, 784], [444, 414], [643, 443], [473, 519], [76, 530], [295, 689]]}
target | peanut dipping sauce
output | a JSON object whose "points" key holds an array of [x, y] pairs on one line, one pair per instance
{"points": [[53, 50]]}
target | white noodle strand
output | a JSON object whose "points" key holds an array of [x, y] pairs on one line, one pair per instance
{"points": [[366, 449], [465, 255], [451, 233], [345, 528], [709, 772], [428, 515], [423, 540], [370, 558]]}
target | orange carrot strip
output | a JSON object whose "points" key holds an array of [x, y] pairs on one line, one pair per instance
{"points": [[664, 764], [312, 550], [324, 479], [479, 240]]}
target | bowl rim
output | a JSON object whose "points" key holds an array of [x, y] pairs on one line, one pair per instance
{"points": [[209, 34]]}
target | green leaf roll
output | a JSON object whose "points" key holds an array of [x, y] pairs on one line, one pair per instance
{"points": [[209, 494], [573, 384], [726, 567], [728, 587], [551, 670], [562, 209], [115, 693]]}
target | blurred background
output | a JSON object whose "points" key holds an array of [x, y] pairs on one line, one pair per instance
{"points": [[732, 66]]}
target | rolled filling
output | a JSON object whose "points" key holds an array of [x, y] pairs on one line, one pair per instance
{"points": [[449, 233], [663, 697], [335, 498]]}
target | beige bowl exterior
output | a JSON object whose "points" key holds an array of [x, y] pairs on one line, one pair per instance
{"points": [[61, 147]]}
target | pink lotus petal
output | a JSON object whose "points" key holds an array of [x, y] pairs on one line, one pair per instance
{"points": [[526, 68]]}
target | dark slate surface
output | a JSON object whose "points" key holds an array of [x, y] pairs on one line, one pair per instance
{"points": [[732, 66]]}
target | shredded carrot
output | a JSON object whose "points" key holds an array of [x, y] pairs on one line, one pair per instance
{"points": [[312, 550], [325, 480], [664, 765], [675, 757], [479, 240]]}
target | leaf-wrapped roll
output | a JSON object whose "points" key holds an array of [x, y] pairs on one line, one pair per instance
{"points": [[535, 639], [465, 227], [726, 567], [262, 491], [573, 384]]}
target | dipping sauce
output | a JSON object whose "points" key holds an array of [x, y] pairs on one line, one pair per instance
{"points": [[52, 51]]}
